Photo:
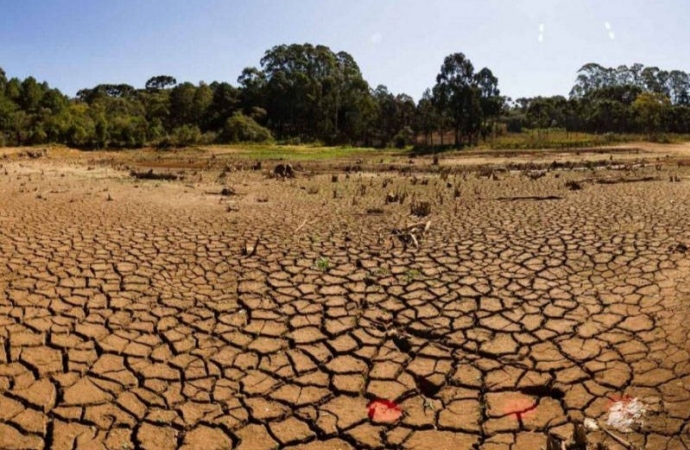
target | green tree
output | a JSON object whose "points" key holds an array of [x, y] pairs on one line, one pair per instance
{"points": [[3, 81], [459, 94], [490, 99], [160, 82], [309, 92], [241, 128], [182, 108], [650, 108], [426, 118], [225, 101]]}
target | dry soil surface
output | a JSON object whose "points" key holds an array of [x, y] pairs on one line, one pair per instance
{"points": [[133, 315]]}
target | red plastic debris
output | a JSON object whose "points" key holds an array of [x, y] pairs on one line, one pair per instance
{"points": [[384, 411], [613, 399]]}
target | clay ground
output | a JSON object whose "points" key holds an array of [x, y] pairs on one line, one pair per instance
{"points": [[131, 315]]}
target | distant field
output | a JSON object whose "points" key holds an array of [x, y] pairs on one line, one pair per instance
{"points": [[538, 139], [300, 152]]}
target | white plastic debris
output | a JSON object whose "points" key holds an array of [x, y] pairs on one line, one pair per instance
{"points": [[591, 425], [624, 414]]}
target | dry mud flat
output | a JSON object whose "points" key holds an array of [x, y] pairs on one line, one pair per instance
{"points": [[143, 314]]}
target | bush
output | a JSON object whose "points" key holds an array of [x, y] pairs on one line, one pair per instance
{"points": [[209, 138], [241, 128], [404, 137], [660, 138], [78, 136], [185, 135], [293, 141]]}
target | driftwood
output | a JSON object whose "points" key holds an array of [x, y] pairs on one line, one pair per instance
{"points": [[225, 192], [593, 425], [149, 175], [625, 180], [535, 198], [284, 171], [250, 250], [680, 247], [371, 212], [301, 226], [411, 234], [535, 175], [573, 185], [36, 154]]}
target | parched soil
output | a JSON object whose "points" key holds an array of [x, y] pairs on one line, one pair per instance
{"points": [[158, 314]]}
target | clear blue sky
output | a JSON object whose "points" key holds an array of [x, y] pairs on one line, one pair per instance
{"points": [[534, 46]]}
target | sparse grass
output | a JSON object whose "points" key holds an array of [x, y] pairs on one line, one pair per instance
{"points": [[412, 275], [381, 272], [559, 138], [420, 208], [300, 152]]}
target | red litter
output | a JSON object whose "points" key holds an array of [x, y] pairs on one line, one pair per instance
{"points": [[384, 411]]}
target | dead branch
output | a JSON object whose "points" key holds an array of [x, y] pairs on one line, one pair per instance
{"points": [[535, 198], [149, 175], [301, 226], [250, 250], [411, 234]]}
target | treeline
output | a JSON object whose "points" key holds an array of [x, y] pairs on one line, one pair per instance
{"points": [[300, 93], [305, 93], [635, 99]]}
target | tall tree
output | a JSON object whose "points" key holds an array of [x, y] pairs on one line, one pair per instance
{"points": [[490, 98], [160, 82], [459, 93], [308, 91], [651, 108]]}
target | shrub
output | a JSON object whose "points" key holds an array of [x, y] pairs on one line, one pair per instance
{"points": [[241, 128], [660, 138], [404, 137], [185, 135], [420, 209]]}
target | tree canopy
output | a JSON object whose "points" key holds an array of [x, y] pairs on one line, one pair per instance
{"points": [[310, 93]]}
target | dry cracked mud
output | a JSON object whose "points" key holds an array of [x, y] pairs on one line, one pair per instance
{"points": [[131, 317]]}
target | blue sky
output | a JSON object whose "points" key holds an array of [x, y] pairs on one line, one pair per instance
{"points": [[534, 46]]}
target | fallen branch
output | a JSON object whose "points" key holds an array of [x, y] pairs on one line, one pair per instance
{"points": [[225, 192], [625, 180], [593, 425], [250, 250], [535, 198], [149, 175], [411, 234], [301, 226]]}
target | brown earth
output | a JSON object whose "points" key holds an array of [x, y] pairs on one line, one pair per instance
{"points": [[159, 314]]}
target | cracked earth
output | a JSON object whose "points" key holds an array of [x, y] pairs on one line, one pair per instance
{"points": [[130, 317]]}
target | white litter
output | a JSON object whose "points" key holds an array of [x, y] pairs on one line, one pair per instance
{"points": [[591, 425], [624, 414]]}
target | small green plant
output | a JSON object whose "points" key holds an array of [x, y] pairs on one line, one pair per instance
{"points": [[411, 275], [381, 272], [323, 264]]}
